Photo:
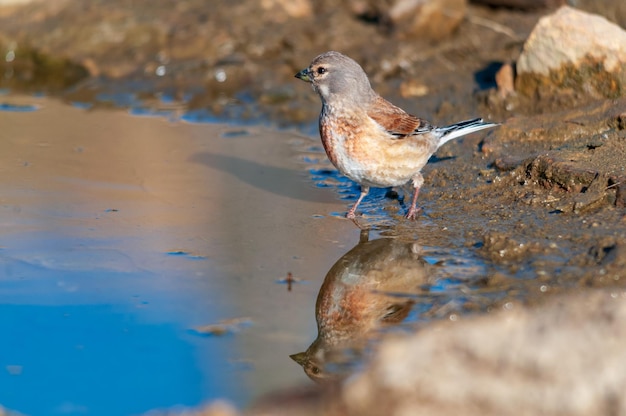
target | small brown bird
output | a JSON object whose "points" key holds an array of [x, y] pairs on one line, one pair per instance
{"points": [[368, 139]]}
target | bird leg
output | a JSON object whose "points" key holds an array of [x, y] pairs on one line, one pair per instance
{"points": [[418, 181], [364, 191], [413, 210]]}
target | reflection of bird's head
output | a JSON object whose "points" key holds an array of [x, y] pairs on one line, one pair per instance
{"points": [[313, 363], [311, 369], [325, 362]]}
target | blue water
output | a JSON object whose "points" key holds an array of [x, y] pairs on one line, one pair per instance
{"points": [[87, 331], [16, 108], [75, 358], [104, 342]]}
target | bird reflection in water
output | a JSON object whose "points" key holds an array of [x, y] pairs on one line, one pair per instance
{"points": [[362, 294]]}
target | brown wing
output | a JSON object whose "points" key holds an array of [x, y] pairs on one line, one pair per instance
{"points": [[397, 121]]}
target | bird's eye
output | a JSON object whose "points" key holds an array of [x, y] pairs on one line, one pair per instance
{"points": [[321, 70]]}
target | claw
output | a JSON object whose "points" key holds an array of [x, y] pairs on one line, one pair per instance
{"points": [[412, 214]]}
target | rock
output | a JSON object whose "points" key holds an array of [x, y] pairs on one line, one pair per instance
{"points": [[433, 19], [505, 80], [412, 88], [373, 11], [287, 9], [28, 68], [573, 52], [613, 10], [565, 357]]}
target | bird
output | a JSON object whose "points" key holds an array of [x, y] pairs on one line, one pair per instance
{"points": [[368, 139]]}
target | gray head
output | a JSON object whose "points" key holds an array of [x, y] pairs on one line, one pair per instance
{"points": [[335, 77]]}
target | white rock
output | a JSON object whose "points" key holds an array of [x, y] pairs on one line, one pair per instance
{"points": [[568, 37]]}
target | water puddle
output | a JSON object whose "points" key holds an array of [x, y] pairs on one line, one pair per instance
{"points": [[170, 263]]}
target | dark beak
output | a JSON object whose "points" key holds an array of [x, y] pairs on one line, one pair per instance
{"points": [[300, 357], [305, 75]]}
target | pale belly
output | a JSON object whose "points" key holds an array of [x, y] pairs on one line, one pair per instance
{"points": [[380, 162]]}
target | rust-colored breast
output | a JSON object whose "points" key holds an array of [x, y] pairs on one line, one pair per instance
{"points": [[338, 134]]}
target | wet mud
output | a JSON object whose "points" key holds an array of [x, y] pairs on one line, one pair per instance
{"points": [[178, 191]]}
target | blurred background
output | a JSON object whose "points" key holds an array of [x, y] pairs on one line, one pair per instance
{"points": [[238, 58]]}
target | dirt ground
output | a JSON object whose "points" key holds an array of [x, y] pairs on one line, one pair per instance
{"points": [[541, 200]]}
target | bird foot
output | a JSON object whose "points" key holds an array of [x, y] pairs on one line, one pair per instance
{"points": [[412, 214], [350, 215]]}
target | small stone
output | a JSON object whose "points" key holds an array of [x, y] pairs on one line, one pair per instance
{"points": [[92, 67], [412, 88], [433, 19], [288, 8], [505, 81]]}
